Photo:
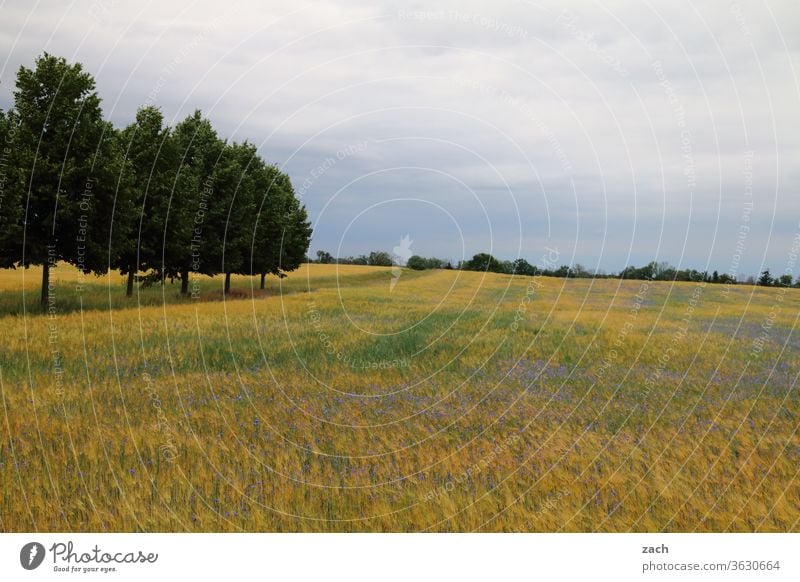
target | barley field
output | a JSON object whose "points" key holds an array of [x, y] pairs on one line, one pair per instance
{"points": [[365, 399]]}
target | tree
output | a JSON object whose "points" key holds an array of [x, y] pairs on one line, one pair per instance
{"points": [[150, 151], [380, 259], [235, 197], [74, 189], [296, 236], [649, 271], [417, 263], [784, 280], [60, 154], [267, 229], [663, 271], [282, 232], [435, 263], [580, 271], [765, 280], [10, 200], [324, 257], [111, 205], [196, 213], [523, 267], [483, 262]]}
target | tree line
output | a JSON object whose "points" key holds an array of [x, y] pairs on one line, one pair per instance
{"points": [[382, 259], [166, 202], [653, 271]]}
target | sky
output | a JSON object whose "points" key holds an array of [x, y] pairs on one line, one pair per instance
{"points": [[604, 134]]}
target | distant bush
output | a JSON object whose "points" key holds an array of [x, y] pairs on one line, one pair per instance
{"points": [[380, 259], [419, 263]]}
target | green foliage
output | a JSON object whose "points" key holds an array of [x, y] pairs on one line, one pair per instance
{"points": [[297, 233], [419, 263], [69, 188], [281, 232], [380, 259], [10, 198], [65, 164], [196, 223], [147, 198], [324, 257], [152, 159], [484, 262], [523, 267]]}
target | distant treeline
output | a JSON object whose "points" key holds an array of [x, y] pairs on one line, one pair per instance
{"points": [[382, 259], [653, 271], [163, 201]]}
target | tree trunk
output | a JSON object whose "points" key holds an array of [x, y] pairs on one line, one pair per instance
{"points": [[227, 283], [184, 282], [263, 276], [129, 290], [45, 283]]}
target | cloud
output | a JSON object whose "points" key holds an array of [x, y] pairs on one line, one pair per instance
{"points": [[622, 127]]}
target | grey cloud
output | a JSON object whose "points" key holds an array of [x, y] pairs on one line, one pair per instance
{"points": [[560, 104]]}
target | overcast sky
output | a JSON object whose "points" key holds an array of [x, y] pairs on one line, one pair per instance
{"points": [[614, 132]]}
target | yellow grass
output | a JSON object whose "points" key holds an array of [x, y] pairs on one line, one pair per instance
{"points": [[451, 401]]}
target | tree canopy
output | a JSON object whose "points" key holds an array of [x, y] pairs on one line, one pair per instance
{"points": [[148, 198]]}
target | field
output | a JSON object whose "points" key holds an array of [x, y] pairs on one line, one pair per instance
{"points": [[354, 399]]}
